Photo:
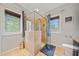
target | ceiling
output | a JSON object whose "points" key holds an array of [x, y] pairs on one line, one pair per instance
{"points": [[42, 7]]}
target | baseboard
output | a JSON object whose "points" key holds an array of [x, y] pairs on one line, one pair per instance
{"points": [[3, 53]]}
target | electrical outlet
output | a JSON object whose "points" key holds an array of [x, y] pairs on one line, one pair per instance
{"points": [[70, 36], [66, 36]]}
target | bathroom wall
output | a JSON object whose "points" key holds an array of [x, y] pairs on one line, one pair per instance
{"points": [[68, 29], [9, 41], [0, 45], [0, 29]]}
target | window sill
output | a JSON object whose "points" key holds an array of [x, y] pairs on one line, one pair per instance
{"points": [[55, 32], [8, 34]]}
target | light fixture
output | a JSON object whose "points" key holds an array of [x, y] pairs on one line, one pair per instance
{"points": [[37, 10]]}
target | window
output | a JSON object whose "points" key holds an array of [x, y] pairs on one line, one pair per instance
{"points": [[54, 24], [12, 21]]}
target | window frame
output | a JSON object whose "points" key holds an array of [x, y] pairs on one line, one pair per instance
{"points": [[54, 17], [6, 11]]}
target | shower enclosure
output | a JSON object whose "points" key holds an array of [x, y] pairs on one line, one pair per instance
{"points": [[35, 34]]}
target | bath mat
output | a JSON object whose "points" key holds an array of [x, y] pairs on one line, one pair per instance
{"points": [[48, 50]]}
